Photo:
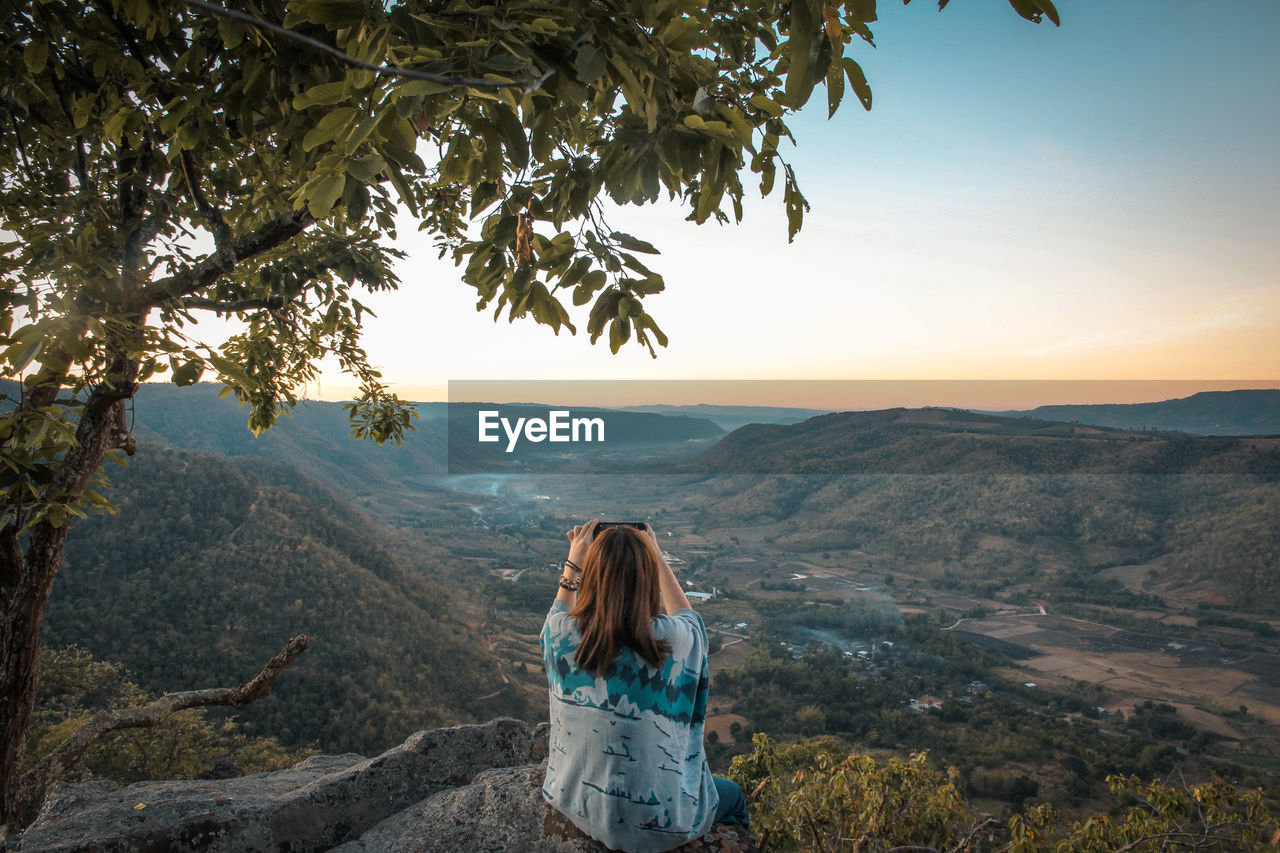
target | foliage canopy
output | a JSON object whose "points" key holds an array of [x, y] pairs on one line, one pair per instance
{"points": [[163, 160]]}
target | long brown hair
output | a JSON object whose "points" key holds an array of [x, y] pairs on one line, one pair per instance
{"points": [[619, 595]]}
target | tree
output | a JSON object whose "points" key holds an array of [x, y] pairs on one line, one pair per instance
{"points": [[165, 160]]}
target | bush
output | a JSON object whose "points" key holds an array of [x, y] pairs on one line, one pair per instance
{"points": [[814, 796]]}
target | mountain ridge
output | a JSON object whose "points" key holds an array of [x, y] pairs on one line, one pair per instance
{"points": [[1239, 412]]}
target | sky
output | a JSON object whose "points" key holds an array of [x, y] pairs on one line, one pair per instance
{"points": [[1092, 202]]}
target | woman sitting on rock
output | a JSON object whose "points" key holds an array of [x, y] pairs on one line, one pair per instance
{"points": [[628, 686]]}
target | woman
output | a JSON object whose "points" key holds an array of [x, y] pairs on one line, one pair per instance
{"points": [[628, 687]]}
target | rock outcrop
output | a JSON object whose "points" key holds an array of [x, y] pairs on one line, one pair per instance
{"points": [[466, 788]]}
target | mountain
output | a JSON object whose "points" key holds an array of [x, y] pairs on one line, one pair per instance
{"points": [[948, 441], [209, 567], [732, 417], [316, 440], [1245, 412], [990, 503]]}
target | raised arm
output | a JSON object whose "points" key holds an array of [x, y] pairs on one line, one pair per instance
{"points": [[579, 541], [673, 597]]}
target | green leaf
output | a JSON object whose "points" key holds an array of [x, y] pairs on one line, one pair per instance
{"points": [[591, 282], [421, 88], [650, 285], [325, 93], [770, 106], [796, 205], [188, 373], [21, 354], [606, 307], [835, 88], [645, 321], [36, 55], [858, 81], [801, 46], [542, 133], [333, 14], [1034, 10], [114, 126], [768, 170], [366, 168], [513, 136], [329, 128], [324, 193], [862, 10], [575, 272], [589, 64], [619, 333], [681, 33], [232, 31], [633, 244]]}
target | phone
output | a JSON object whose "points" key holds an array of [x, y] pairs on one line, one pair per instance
{"points": [[638, 525]]}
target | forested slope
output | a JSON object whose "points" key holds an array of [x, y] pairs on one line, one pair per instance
{"points": [[207, 570], [993, 501]]}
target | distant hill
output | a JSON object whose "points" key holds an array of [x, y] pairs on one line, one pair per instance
{"points": [[317, 441], [991, 502], [208, 568], [1246, 412], [947, 441], [731, 417]]}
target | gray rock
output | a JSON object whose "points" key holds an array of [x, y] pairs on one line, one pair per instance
{"points": [[466, 788], [316, 805], [504, 810]]}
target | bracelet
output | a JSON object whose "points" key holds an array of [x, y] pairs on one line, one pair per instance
{"points": [[571, 564], [572, 586]]}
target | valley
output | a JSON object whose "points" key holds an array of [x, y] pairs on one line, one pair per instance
{"points": [[1036, 629]]}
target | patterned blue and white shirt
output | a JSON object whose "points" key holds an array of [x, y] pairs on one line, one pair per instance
{"points": [[626, 761]]}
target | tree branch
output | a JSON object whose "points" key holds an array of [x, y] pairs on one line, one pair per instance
{"points": [[35, 781], [199, 304], [219, 263], [381, 70], [973, 833], [212, 216], [813, 827]]}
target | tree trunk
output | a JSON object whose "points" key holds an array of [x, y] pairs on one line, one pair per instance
{"points": [[19, 667], [27, 579]]}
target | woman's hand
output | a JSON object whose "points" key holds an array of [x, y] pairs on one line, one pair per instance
{"points": [[580, 540], [673, 597]]}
